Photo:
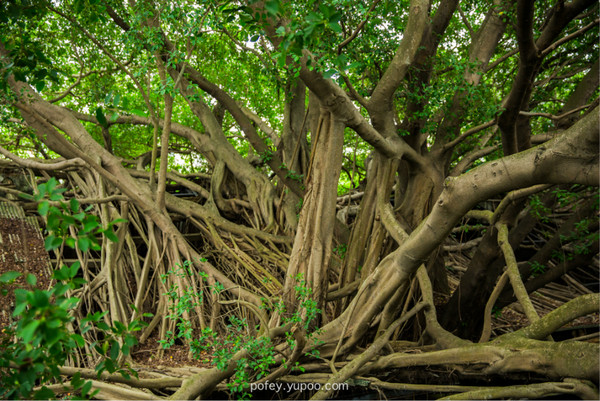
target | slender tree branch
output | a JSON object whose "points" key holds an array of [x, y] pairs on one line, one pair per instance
{"points": [[466, 21], [467, 133], [552, 116], [489, 306], [358, 28], [352, 367], [500, 60], [514, 195], [571, 36], [353, 93], [470, 157], [58, 165], [513, 273]]}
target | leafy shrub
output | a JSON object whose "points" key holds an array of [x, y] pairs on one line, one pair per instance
{"points": [[39, 342], [261, 350]]}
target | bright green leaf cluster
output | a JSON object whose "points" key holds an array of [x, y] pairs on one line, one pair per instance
{"points": [[39, 341]]}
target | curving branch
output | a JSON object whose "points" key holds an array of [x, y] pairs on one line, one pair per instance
{"points": [[360, 26], [500, 60], [555, 117], [470, 157], [580, 306], [513, 273], [51, 165], [571, 36], [467, 133], [489, 306]]}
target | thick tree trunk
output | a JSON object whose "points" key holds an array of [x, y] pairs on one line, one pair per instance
{"points": [[311, 253], [542, 164]]}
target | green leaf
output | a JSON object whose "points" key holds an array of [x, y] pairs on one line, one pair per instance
{"points": [[272, 7], [53, 336], [119, 327], [70, 242], [56, 195], [52, 242], [50, 185], [73, 269], [31, 279], [28, 331], [111, 235], [54, 323], [114, 351], [69, 303], [85, 389], [335, 26], [19, 308], [44, 394], [9, 276], [130, 341], [76, 380], [39, 86], [74, 205], [328, 74], [101, 117], [90, 223], [38, 299], [354, 65], [78, 340], [83, 243], [102, 326], [138, 112], [43, 208]]}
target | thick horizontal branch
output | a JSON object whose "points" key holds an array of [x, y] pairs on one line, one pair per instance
{"points": [[157, 383]]}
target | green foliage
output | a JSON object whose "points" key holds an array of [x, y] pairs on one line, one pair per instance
{"points": [[39, 341], [496, 312], [341, 250], [580, 240], [61, 217], [291, 174], [538, 209], [536, 268], [260, 349], [182, 302], [267, 155]]}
